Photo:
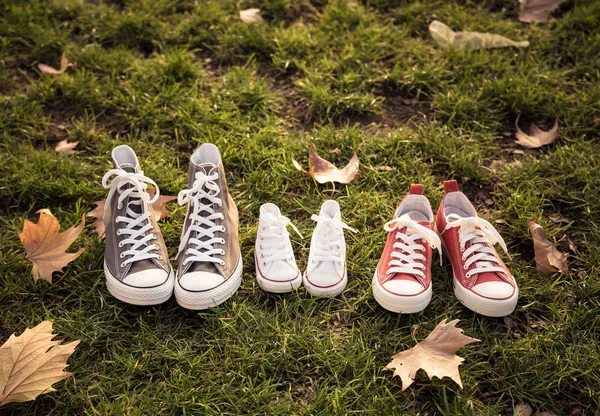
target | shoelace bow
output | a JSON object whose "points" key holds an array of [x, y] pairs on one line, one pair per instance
{"points": [[274, 242], [137, 224], [409, 253], [204, 187], [328, 247], [479, 233]]}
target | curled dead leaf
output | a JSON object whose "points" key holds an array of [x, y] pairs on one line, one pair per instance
{"points": [[31, 363], [446, 37], [436, 355], [536, 137], [65, 147], [537, 11], [46, 246], [251, 16], [47, 69], [522, 410], [547, 258], [324, 171]]}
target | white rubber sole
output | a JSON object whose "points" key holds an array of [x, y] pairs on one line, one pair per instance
{"points": [[277, 287], [197, 301], [327, 292], [139, 296], [400, 304], [483, 306]]}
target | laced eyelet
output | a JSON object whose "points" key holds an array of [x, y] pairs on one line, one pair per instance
{"points": [[119, 206], [121, 244], [153, 236], [160, 257], [465, 267], [222, 228], [118, 231], [156, 247], [123, 264], [222, 263], [122, 255], [222, 252], [222, 241]]}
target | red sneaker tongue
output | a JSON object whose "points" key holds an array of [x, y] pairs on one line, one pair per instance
{"points": [[488, 277], [404, 276]]}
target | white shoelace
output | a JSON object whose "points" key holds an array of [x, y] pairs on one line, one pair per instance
{"points": [[274, 240], [409, 252], [329, 246], [204, 187], [134, 228], [479, 233]]}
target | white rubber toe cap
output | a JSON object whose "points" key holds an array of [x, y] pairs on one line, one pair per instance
{"points": [[403, 287], [147, 278], [323, 279], [200, 281], [494, 290]]}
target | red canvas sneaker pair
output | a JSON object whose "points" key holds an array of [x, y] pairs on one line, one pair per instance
{"points": [[481, 280]]}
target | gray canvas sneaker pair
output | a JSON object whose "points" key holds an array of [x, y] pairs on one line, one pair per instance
{"points": [[136, 262]]}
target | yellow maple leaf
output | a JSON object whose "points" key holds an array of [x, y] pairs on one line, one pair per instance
{"points": [[46, 246], [436, 355], [31, 363]]}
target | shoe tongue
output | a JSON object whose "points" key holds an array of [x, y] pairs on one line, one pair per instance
{"points": [[128, 167], [207, 169]]}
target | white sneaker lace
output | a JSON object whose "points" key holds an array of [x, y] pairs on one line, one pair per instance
{"points": [[329, 246], [408, 251], [204, 187], [275, 240], [135, 229], [479, 233]]}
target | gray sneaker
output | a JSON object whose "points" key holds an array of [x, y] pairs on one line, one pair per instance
{"points": [[209, 259], [136, 262]]}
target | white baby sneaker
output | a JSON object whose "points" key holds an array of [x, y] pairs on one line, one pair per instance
{"points": [[326, 273], [276, 269]]}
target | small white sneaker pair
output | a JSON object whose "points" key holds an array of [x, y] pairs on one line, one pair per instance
{"points": [[276, 268]]}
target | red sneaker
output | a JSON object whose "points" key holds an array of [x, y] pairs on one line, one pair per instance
{"points": [[402, 281], [481, 280]]}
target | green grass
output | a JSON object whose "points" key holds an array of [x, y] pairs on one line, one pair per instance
{"points": [[165, 76]]}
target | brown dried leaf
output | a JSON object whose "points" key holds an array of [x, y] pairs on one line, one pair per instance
{"points": [[251, 16], [31, 363], [536, 137], [386, 168], [46, 246], [446, 37], [98, 213], [65, 147], [537, 10], [547, 258], [436, 355], [159, 208], [522, 410], [47, 69], [324, 171]]}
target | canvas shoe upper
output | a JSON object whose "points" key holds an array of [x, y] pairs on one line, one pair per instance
{"points": [[209, 258], [136, 261], [402, 281], [482, 282], [326, 273], [276, 269]]}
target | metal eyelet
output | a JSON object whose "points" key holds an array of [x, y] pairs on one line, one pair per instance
{"points": [[264, 264], [153, 236], [222, 228], [122, 255], [156, 247], [160, 257], [465, 267], [222, 263], [118, 231], [121, 244], [222, 252], [123, 264]]}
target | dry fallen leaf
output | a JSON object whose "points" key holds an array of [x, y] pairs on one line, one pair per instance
{"points": [[386, 168], [65, 147], [436, 355], [536, 137], [31, 363], [522, 410], [446, 37], [47, 69], [547, 258], [324, 171], [159, 208], [46, 246], [537, 10], [250, 16], [159, 211], [98, 213]]}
